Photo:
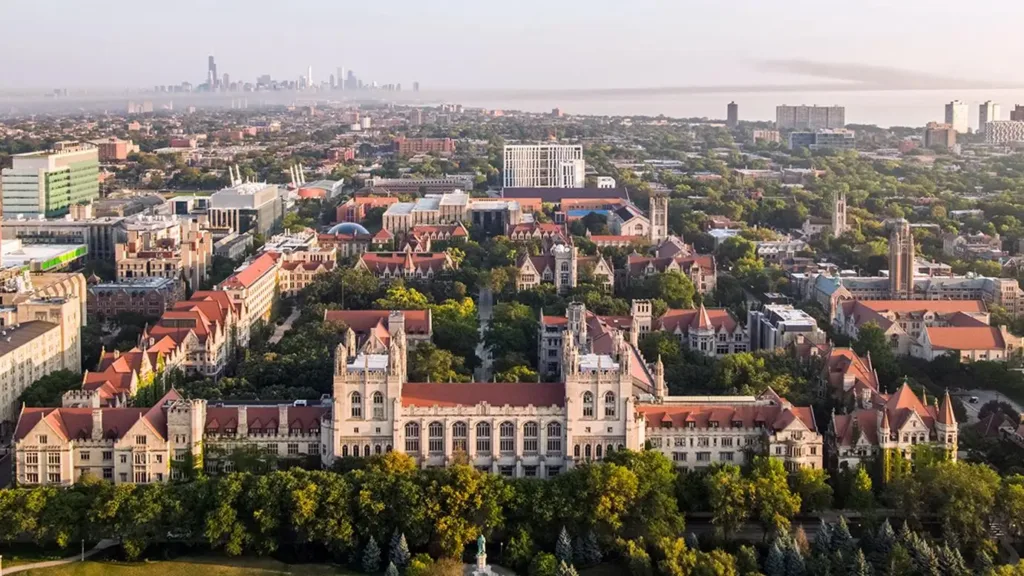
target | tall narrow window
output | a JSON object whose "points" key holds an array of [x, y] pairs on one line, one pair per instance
{"points": [[459, 437], [483, 438], [554, 439], [435, 441], [588, 405], [508, 438], [609, 405], [357, 405], [530, 434], [412, 438], [378, 406]]}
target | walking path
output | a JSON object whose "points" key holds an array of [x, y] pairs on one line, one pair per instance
{"points": [[280, 330], [484, 305], [102, 545]]}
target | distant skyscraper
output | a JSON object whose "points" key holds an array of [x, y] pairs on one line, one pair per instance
{"points": [[956, 116], [227, 81], [415, 86], [309, 75], [1017, 113], [544, 166], [732, 118], [211, 72], [809, 117], [987, 112]]}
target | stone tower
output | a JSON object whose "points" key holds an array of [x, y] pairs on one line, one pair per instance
{"points": [[576, 313], [659, 218], [839, 215], [565, 267], [901, 261], [643, 318]]}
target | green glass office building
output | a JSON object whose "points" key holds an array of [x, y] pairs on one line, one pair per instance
{"points": [[47, 183]]}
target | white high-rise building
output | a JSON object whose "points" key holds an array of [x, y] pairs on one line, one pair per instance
{"points": [[956, 116], [987, 112], [544, 166], [1004, 131], [309, 76]]}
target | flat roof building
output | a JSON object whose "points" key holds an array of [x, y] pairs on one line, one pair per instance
{"points": [[249, 207], [544, 166], [49, 182]]}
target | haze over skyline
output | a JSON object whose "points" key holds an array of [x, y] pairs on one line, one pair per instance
{"points": [[525, 45]]}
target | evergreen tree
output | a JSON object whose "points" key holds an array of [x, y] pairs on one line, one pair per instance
{"points": [[391, 571], [592, 554], [958, 566], [800, 541], [371, 557], [899, 562], [746, 560], [925, 561], [983, 563], [842, 540], [859, 567], [563, 548], [578, 552], [823, 541], [692, 542], [395, 537], [565, 569], [775, 562], [882, 545], [400, 550], [794, 561], [905, 535]]}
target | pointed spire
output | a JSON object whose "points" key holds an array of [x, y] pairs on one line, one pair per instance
{"points": [[885, 420], [945, 415], [924, 396], [703, 320]]}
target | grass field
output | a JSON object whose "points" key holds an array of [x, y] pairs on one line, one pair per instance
{"points": [[188, 567]]}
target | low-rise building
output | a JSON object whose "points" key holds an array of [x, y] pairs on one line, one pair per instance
{"points": [[391, 265], [148, 296], [562, 266], [177, 249], [781, 325], [712, 332], [903, 321], [252, 289], [700, 268], [248, 207]]}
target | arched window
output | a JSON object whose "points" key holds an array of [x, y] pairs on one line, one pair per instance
{"points": [[357, 405], [378, 406], [376, 449], [530, 434], [344, 451], [588, 405], [366, 450], [597, 452], [576, 451], [483, 438], [586, 452], [621, 447], [435, 441], [507, 432], [565, 266], [609, 405], [412, 438], [387, 449], [355, 449], [554, 439], [611, 448], [459, 437]]}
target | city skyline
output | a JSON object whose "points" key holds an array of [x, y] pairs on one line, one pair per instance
{"points": [[736, 45]]}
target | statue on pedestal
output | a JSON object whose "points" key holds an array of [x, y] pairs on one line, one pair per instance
{"points": [[482, 569]]}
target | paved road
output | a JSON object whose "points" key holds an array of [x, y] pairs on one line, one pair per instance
{"points": [[984, 397], [280, 330], [484, 305], [102, 545]]}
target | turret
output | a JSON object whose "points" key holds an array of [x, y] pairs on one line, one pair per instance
{"points": [[659, 380]]}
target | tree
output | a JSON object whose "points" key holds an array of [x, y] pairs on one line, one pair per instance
{"points": [[675, 288], [371, 557], [859, 567], [520, 550], [428, 363], [794, 561], [49, 390], [750, 373], [565, 569], [400, 550], [457, 329], [734, 249], [591, 550], [516, 374], [543, 564], [563, 548], [775, 562], [772, 500], [812, 486], [872, 340], [962, 495], [746, 560], [401, 298], [391, 571], [861, 497], [728, 498], [900, 562]]}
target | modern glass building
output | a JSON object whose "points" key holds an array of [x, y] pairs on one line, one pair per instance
{"points": [[48, 182]]}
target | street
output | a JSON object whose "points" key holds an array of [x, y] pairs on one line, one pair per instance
{"points": [[984, 397], [280, 330]]}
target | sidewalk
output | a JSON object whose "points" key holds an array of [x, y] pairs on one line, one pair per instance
{"points": [[102, 545]]}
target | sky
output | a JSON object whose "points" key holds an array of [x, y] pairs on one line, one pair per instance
{"points": [[517, 44]]}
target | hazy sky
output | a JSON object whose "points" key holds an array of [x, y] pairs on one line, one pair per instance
{"points": [[490, 44]]}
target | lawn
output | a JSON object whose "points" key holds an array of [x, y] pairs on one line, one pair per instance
{"points": [[189, 567]]}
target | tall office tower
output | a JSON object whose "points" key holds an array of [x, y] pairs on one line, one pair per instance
{"points": [[1017, 113], [415, 86], [211, 72], [544, 166], [332, 82], [46, 183], [732, 117], [956, 116], [227, 82], [839, 215], [309, 76], [809, 117], [987, 112], [901, 261]]}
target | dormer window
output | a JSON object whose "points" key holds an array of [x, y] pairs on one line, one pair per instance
{"points": [[737, 424], [714, 424], [691, 425]]}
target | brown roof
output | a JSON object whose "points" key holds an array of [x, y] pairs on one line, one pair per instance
{"points": [[843, 362], [363, 321], [966, 338], [775, 417], [637, 264], [76, 423], [425, 395], [936, 306], [684, 319], [248, 276], [378, 262]]}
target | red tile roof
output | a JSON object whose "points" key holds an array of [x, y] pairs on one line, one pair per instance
{"points": [[844, 362], [638, 264], [76, 423], [776, 417], [378, 262], [445, 395], [966, 338], [256, 269], [363, 321], [683, 319]]}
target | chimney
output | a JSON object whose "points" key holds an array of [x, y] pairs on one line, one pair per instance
{"points": [[282, 420], [97, 424]]}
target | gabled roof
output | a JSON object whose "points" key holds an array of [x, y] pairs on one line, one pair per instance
{"points": [[249, 275], [76, 423], [638, 264], [966, 338], [843, 363], [363, 321], [683, 319], [774, 416], [379, 262]]}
